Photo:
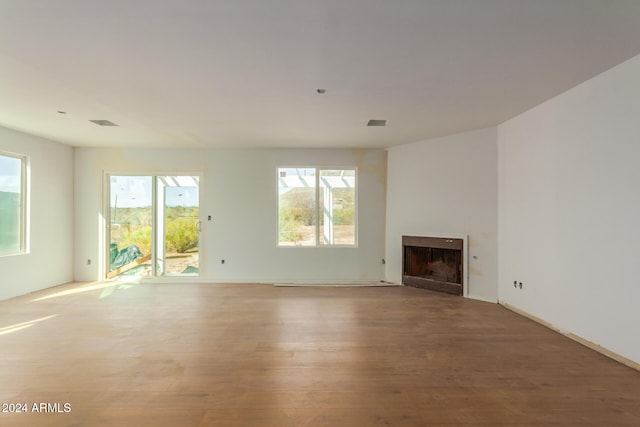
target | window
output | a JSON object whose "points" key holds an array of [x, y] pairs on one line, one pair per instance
{"points": [[316, 207], [12, 204]]}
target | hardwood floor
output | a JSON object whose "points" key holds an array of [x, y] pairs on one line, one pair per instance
{"points": [[243, 355]]}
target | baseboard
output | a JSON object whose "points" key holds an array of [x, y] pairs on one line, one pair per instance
{"points": [[593, 346], [484, 299], [364, 283]]}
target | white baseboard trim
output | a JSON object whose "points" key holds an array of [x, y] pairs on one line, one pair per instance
{"points": [[593, 346], [364, 283], [484, 299]]}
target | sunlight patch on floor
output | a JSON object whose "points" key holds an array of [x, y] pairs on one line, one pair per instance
{"points": [[112, 285], [18, 326]]}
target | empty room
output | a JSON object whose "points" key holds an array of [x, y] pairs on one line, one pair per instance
{"points": [[319, 213]]}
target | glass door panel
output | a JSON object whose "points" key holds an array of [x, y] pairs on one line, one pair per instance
{"points": [[130, 226], [178, 229]]}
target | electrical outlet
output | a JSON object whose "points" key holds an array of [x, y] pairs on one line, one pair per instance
{"points": [[221, 261], [520, 285], [89, 261]]}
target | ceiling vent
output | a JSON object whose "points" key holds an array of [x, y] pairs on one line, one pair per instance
{"points": [[377, 123], [103, 122]]}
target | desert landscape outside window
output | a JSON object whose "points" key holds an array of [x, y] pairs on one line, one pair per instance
{"points": [[317, 207]]}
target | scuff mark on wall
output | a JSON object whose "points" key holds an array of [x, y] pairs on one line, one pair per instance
{"points": [[140, 161], [372, 162], [475, 272]]}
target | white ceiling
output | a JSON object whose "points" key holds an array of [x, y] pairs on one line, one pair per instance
{"points": [[244, 73]]}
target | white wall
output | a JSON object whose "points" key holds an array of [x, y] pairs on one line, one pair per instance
{"points": [[239, 191], [569, 210], [446, 186], [50, 259]]}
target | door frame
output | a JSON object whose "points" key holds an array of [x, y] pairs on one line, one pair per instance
{"points": [[105, 231]]}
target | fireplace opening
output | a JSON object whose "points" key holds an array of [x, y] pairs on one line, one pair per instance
{"points": [[433, 263]]}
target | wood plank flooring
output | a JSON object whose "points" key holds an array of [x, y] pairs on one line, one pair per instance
{"points": [[258, 355]]}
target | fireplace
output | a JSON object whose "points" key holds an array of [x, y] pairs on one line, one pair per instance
{"points": [[434, 263]]}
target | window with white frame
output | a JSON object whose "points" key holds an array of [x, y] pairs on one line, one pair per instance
{"points": [[317, 207], [12, 204]]}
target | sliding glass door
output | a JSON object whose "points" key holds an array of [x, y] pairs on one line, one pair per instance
{"points": [[153, 225]]}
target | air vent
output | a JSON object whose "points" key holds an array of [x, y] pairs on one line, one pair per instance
{"points": [[377, 123], [103, 122]]}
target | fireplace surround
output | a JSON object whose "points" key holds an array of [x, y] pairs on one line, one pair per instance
{"points": [[434, 263]]}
